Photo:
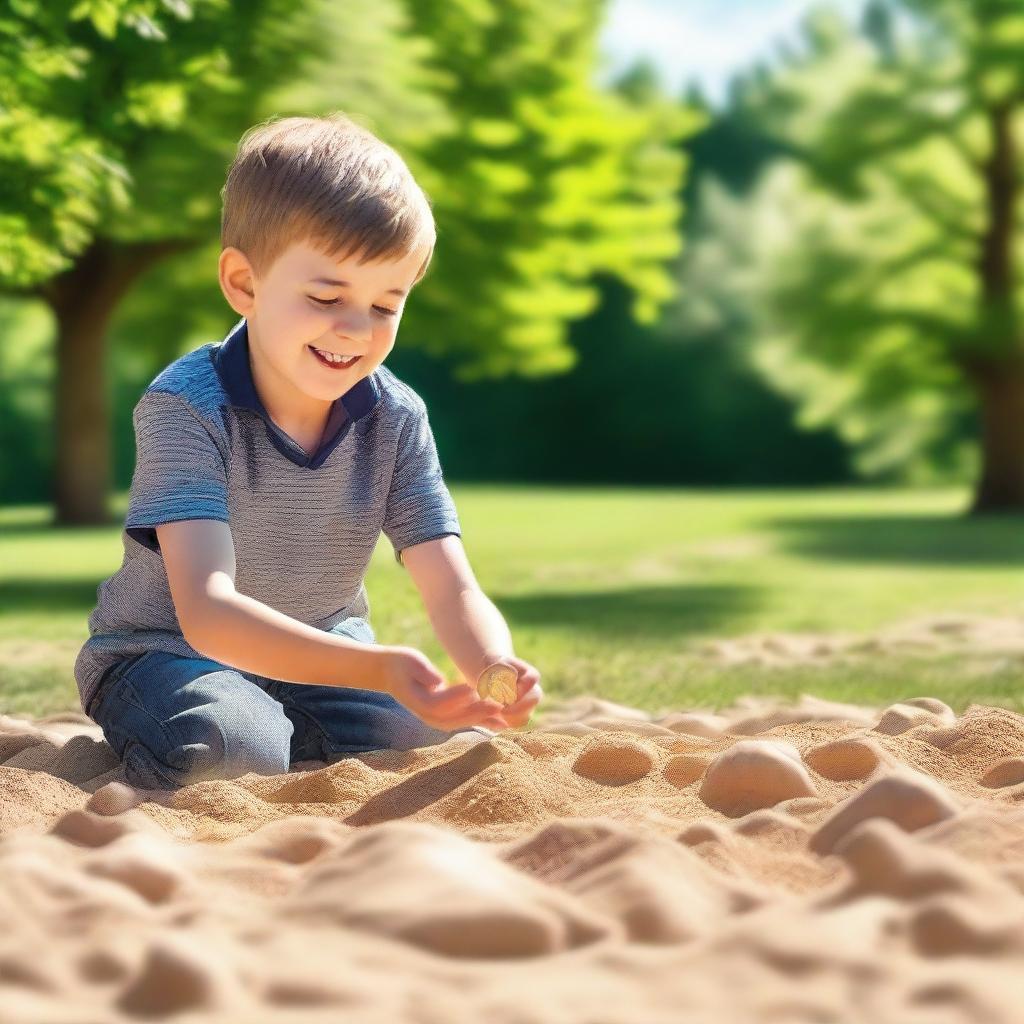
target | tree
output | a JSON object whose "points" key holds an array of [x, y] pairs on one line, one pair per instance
{"points": [[539, 180], [542, 183], [95, 94], [883, 252], [110, 111]]}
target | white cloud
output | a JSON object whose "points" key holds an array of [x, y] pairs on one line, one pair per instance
{"points": [[700, 39]]}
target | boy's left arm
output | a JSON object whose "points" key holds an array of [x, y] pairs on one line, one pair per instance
{"points": [[466, 621]]}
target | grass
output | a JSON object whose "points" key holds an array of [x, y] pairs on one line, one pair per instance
{"points": [[611, 591]]}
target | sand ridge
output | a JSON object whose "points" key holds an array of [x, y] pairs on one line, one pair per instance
{"points": [[986, 641], [805, 862]]}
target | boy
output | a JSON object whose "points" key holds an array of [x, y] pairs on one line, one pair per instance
{"points": [[235, 635]]}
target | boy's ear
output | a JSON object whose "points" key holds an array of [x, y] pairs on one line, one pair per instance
{"points": [[237, 280]]}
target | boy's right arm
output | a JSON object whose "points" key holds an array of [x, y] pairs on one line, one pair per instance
{"points": [[235, 630], [222, 624]]}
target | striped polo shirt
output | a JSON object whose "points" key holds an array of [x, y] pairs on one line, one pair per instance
{"points": [[304, 525]]}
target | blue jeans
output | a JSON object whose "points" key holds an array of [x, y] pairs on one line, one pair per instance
{"points": [[174, 720]]}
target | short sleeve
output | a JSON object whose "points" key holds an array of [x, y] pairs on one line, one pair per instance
{"points": [[179, 470], [419, 506]]}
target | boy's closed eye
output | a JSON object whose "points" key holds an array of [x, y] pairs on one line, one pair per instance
{"points": [[383, 310]]}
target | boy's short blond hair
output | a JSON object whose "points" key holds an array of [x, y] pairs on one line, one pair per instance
{"points": [[326, 181]]}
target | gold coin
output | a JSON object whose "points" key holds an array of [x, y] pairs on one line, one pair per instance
{"points": [[498, 681]]}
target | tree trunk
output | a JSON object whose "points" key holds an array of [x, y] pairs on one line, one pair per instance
{"points": [[1000, 382], [1001, 395], [83, 299]]}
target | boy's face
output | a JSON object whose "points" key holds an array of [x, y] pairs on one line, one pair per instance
{"points": [[299, 305]]}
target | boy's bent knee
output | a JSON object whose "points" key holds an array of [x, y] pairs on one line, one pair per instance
{"points": [[223, 740]]}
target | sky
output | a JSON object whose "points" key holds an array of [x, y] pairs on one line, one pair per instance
{"points": [[702, 40]]}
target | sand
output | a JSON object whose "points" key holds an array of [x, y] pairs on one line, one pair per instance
{"points": [[809, 862], [986, 641]]}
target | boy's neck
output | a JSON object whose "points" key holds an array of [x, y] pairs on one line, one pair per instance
{"points": [[298, 415]]}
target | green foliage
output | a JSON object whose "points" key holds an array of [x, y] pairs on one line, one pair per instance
{"points": [[406, 86], [81, 86], [26, 401], [540, 182], [859, 258]]}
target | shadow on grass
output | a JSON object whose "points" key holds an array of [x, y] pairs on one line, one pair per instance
{"points": [[914, 539], [48, 531], [632, 612], [43, 596], [40, 530]]}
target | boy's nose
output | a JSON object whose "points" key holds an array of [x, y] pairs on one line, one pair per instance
{"points": [[357, 329]]}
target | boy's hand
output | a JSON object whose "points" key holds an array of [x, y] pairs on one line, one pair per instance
{"points": [[410, 677], [528, 690]]}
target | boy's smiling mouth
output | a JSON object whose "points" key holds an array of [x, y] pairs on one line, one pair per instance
{"points": [[335, 363]]}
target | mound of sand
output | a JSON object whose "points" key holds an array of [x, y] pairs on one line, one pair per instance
{"points": [[814, 862], [985, 640]]}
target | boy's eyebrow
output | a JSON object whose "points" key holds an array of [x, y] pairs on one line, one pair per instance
{"points": [[331, 280]]}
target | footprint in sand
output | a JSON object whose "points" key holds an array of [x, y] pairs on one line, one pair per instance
{"points": [[684, 769], [845, 760], [614, 762]]}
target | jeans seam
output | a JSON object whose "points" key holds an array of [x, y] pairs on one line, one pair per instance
{"points": [[131, 696], [110, 677]]}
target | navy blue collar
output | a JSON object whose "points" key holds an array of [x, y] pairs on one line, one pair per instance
{"points": [[231, 361]]}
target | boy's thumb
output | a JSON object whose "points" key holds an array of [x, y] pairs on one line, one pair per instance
{"points": [[433, 679]]}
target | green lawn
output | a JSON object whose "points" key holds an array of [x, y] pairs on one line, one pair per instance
{"points": [[611, 591]]}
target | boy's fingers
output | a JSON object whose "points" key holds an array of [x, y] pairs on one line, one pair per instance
{"points": [[429, 674], [464, 690], [518, 712], [528, 677], [452, 697], [449, 710], [528, 701]]}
